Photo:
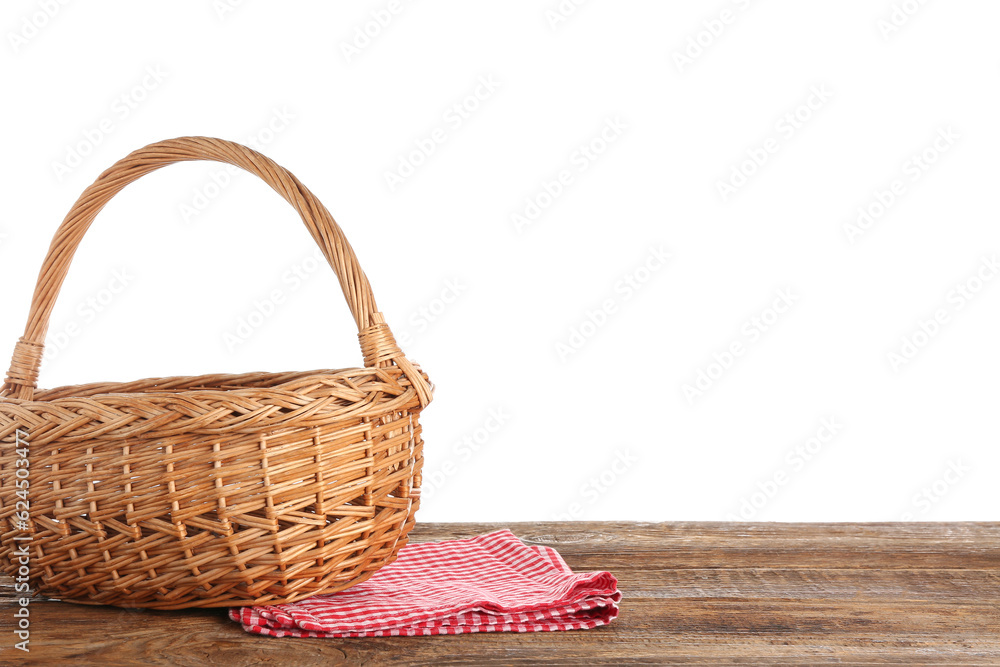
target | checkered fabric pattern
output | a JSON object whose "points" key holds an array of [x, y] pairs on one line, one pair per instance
{"points": [[490, 583]]}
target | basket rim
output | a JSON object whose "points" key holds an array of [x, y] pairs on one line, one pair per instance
{"points": [[308, 399], [91, 391]]}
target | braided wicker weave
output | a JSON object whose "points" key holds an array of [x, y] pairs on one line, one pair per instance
{"points": [[210, 491]]}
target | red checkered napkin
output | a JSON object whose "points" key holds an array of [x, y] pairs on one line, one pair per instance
{"points": [[490, 583]]}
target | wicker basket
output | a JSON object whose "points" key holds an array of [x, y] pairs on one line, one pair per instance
{"points": [[211, 491]]}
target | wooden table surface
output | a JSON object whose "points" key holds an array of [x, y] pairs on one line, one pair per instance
{"points": [[695, 593]]}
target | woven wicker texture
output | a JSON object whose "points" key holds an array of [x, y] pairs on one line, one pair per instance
{"points": [[218, 490]]}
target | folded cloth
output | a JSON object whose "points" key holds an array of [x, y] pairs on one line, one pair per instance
{"points": [[490, 583]]}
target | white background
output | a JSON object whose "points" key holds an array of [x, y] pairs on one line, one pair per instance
{"points": [[915, 440]]}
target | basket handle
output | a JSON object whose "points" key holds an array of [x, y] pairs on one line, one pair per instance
{"points": [[377, 343]]}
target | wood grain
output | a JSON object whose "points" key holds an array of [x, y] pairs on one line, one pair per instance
{"points": [[695, 593]]}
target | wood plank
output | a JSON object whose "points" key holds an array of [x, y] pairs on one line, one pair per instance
{"points": [[952, 586], [695, 593], [653, 630], [719, 544]]}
